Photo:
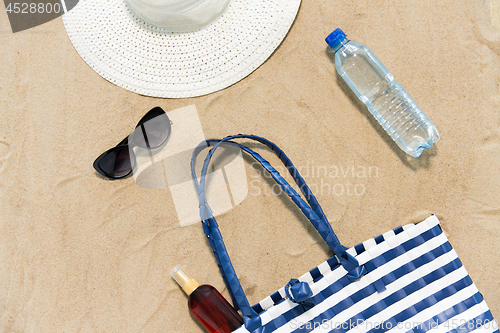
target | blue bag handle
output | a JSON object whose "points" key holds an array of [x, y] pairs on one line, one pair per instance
{"points": [[315, 215]]}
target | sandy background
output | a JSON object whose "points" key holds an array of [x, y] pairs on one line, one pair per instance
{"points": [[79, 253]]}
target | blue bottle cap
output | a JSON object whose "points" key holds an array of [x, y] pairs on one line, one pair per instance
{"points": [[335, 38]]}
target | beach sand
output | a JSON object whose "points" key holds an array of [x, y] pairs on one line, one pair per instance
{"points": [[79, 253]]}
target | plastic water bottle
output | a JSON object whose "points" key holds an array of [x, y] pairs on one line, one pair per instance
{"points": [[386, 99]]}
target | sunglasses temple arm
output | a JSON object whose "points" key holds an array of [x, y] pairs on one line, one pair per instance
{"points": [[123, 142]]}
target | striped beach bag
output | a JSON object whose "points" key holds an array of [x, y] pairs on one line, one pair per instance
{"points": [[406, 280]]}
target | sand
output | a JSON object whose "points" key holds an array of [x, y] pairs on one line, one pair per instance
{"points": [[79, 253]]}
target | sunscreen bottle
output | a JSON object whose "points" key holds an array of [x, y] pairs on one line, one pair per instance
{"points": [[207, 305]]}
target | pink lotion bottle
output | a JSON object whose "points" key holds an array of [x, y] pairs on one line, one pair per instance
{"points": [[207, 305]]}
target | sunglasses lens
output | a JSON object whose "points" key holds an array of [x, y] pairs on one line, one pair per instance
{"points": [[152, 133], [116, 163]]}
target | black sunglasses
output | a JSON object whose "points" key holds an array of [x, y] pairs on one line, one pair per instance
{"points": [[118, 162]]}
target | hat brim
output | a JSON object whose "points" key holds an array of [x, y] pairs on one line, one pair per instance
{"points": [[146, 59]]}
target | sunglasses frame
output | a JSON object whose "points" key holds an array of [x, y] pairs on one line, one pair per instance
{"points": [[124, 144]]}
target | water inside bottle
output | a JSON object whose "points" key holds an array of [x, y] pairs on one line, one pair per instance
{"points": [[389, 103]]}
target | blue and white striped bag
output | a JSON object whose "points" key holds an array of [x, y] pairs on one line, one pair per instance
{"points": [[406, 280]]}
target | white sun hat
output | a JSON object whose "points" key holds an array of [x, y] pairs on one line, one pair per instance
{"points": [[131, 51]]}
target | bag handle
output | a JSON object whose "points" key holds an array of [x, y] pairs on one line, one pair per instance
{"points": [[311, 199], [210, 227]]}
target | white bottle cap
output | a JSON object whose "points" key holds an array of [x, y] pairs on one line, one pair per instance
{"points": [[187, 284]]}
